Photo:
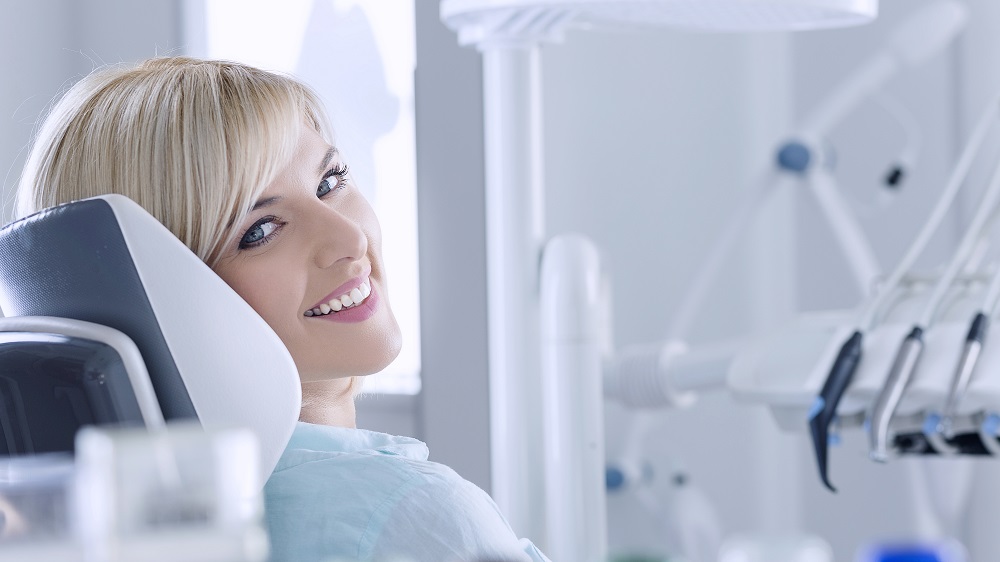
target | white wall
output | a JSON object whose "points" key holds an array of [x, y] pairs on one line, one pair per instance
{"points": [[46, 45], [649, 138]]}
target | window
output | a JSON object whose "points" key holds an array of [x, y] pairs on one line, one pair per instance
{"points": [[359, 56]]}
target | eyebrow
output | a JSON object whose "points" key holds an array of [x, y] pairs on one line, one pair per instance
{"points": [[326, 160], [264, 202]]}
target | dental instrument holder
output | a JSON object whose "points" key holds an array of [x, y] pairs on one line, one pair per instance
{"points": [[927, 32]]}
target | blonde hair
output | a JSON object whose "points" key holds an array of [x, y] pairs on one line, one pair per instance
{"points": [[194, 142]]}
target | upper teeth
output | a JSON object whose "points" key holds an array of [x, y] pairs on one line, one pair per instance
{"points": [[352, 298]]}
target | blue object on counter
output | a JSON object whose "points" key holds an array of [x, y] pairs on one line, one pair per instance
{"points": [[907, 555], [942, 552]]}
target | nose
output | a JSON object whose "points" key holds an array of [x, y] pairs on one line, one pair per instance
{"points": [[336, 237]]}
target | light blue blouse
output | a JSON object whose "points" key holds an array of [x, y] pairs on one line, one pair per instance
{"points": [[350, 494]]}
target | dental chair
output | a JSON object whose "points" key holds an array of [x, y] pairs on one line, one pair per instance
{"points": [[111, 320]]}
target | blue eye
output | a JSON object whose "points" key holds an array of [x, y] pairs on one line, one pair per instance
{"points": [[259, 233], [333, 180]]}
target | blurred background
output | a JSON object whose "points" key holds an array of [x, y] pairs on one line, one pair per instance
{"points": [[649, 138]]}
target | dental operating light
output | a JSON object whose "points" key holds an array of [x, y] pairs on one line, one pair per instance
{"points": [[480, 20]]}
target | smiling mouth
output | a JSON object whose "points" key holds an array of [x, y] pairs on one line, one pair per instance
{"points": [[350, 299]]}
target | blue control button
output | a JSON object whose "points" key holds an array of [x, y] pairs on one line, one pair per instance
{"points": [[794, 156], [614, 478]]}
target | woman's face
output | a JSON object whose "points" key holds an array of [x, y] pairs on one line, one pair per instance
{"points": [[308, 259]]}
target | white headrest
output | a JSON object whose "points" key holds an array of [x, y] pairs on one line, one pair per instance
{"points": [[209, 355]]}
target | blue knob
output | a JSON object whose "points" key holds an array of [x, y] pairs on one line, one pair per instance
{"points": [[794, 156], [614, 478]]}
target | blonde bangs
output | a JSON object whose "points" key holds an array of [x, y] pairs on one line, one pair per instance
{"points": [[193, 142]]}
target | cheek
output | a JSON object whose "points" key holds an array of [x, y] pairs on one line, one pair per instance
{"points": [[260, 289]]}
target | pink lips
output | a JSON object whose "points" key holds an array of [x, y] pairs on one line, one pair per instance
{"points": [[358, 313], [345, 288]]}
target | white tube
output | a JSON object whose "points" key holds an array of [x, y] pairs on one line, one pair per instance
{"points": [[928, 31], [984, 212], [960, 172], [574, 401], [668, 374], [867, 79], [512, 107], [923, 34]]}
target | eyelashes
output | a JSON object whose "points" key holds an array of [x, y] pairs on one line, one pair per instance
{"points": [[260, 233], [264, 229], [340, 172]]}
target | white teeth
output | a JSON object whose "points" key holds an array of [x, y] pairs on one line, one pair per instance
{"points": [[353, 298]]}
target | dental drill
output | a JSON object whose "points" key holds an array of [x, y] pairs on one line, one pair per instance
{"points": [[970, 356]]}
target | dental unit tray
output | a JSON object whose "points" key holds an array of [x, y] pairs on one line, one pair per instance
{"points": [[786, 369]]}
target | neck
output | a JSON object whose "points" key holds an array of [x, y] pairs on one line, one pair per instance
{"points": [[329, 402]]}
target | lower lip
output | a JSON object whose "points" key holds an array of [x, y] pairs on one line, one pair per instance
{"points": [[359, 313]]}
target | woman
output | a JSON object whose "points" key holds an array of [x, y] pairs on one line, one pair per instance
{"points": [[238, 164]]}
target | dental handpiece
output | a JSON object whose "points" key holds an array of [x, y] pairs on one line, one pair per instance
{"points": [[966, 367], [902, 370], [963, 372], [824, 409]]}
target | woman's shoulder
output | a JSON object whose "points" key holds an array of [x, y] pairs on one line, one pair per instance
{"points": [[366, 489], [338, 458]]}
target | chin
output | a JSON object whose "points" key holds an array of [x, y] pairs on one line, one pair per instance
{"points": [[390, 350], [369, 358]]}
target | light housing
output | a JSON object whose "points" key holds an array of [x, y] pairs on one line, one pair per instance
{"points": [[477, 21]]}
